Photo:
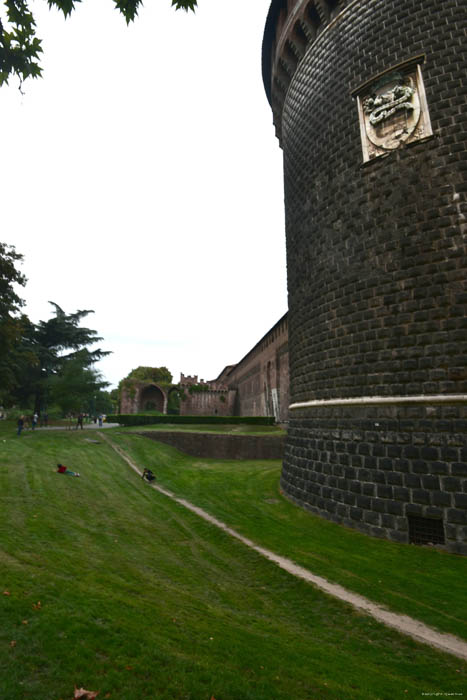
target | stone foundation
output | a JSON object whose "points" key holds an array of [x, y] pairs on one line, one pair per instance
{"points": [[374, 467], [221, 446]]}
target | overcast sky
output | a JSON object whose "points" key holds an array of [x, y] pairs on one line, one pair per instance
{"points": [[141, 178]]}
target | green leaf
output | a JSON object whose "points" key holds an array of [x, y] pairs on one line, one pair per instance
{"points": [[19, 46]]}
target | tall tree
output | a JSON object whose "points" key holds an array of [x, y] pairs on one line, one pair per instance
{"points": [[10, 302], [75, 386], [61, 345], [13, 356], [19, 46]]}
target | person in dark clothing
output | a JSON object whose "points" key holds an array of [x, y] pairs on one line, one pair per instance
{"points": [[148, 475], [20, 424], [80, 422]]}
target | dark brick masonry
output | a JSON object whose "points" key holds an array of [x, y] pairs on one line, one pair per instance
{"points": [[377, 265], [222, 446], [373, 467]]}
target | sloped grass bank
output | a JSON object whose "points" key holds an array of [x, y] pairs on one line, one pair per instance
{"points": [[419, 581], [115, 588]]}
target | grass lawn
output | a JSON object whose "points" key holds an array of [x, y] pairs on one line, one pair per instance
{"points": [[115, 588], [419, 581]]}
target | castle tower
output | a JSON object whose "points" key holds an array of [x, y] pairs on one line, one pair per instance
{"points": [[369, 104]]}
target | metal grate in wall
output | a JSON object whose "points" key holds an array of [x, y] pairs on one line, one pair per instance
{"points": [[425, 530]]}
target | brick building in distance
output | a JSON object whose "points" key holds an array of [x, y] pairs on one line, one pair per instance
{"points": [[369, 105], [258, 385]]}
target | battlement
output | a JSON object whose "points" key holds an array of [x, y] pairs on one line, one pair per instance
{"points": [[192, 380], [189, 380], [292, 26], [216, 387]]}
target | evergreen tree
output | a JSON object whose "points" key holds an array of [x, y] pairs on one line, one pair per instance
{"points": [[75, 386], [50, 361], [60, 346]]}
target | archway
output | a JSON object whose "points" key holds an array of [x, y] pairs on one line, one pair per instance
{"points": [[152, 398]]}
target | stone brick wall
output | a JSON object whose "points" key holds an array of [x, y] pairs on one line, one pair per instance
{"points": [[136, 396], [377, 265], [222, 446], [261, 378], [208, 403], [257, 386], [374, 467]]}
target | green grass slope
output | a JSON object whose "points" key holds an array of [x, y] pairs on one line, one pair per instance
{"points": [[422, 582], [115, 588]]}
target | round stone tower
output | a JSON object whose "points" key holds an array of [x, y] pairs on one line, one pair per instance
{"points": [[369, 104]]}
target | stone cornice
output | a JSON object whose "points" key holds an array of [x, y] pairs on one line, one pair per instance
{"points": [[291, 28]]}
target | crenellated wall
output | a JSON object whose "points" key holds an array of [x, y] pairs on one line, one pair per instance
{"points": [[257, 386]]}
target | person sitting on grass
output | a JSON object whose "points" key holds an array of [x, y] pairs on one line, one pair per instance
{"points": [[148, 475], [61, 469]]}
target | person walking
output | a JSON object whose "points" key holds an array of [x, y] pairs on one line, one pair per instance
{"points": [[35, 418], [20, 424], [80, 422]]}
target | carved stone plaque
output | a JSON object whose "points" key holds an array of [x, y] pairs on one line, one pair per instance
{"points": [[393, 111]]}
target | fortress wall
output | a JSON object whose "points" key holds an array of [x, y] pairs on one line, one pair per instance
{"points": [[136, 395], [207, 403], [377, 268], [221, 446], [261, 378], [257, 386], [129, 402]]}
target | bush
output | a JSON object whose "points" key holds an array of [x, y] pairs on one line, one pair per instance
{"points": [[139, 419]]}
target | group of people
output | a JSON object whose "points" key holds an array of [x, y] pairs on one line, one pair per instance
{"points": [[32, 421], [24, 422]]}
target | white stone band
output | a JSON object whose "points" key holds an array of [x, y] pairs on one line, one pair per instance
{"points": [[382, 400]]}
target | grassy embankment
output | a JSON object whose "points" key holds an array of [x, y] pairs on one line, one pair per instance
{"points": [[418, 581], [141, 599]]}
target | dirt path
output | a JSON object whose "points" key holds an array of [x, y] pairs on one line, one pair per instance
{"points": [[402, 623]]}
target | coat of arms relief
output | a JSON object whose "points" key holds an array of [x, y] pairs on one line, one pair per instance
{"points": [[393, 111]]}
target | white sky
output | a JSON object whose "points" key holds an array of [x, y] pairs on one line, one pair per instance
{"points": [[141, 178]]}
